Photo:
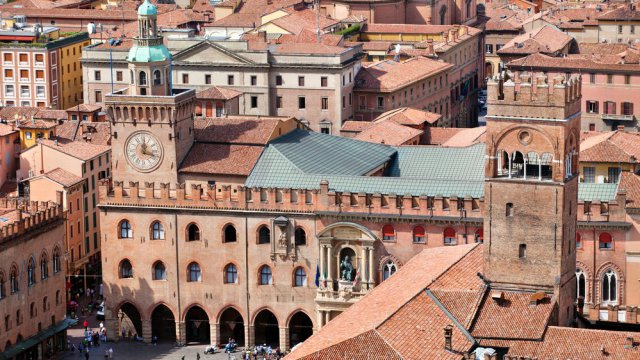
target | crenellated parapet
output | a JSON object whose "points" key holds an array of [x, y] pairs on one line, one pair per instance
{"points": [[321, 200], [525, 96], [29, 216]]}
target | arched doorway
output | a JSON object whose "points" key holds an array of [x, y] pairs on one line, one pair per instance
{"points": [[163, 324], [231, 326], [197, 323], [266, 329], [130, 320], [300, 328]]}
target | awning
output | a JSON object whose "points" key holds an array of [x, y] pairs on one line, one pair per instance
{"points": [[36, 339]]}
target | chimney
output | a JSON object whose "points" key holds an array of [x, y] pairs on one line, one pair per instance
{"points": [[448, 332], [629, 344]]}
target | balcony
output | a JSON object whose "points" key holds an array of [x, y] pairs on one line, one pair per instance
{"points": [[618, 117]]}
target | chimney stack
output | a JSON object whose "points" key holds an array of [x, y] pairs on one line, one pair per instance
{"points": [[448, 332]]}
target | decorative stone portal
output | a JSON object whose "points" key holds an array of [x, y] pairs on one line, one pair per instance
{"points": [[346, 268]]}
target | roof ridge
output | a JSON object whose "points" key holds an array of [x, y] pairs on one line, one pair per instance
{"points": [[448, 314], [375, 330]]}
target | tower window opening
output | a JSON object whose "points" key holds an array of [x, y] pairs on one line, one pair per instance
{"points": [[509, 209], [522, 251]]}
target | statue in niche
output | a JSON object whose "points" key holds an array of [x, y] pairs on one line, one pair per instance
{"points": [[282, 240], [347, 272]]}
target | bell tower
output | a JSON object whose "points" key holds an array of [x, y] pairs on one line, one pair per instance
{"points": [[531, 186], [151, 123]]}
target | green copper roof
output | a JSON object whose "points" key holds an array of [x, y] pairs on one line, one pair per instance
{"points": [[302, 159], [148, 53], [597, 192], [147, 9]]}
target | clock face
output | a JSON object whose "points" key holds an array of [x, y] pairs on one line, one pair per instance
{"points": [[143, 151]]}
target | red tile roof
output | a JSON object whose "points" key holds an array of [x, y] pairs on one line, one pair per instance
{"points": [[389, 133], [218, 93], [406, 28], [78, 149], [410, 116], [611, 147], [374, 311], [630, 183], [85, 108], [305, 19], [37, 124], [6, 129], [622, 13], [562, 343], [308, 48], [438, 135], [355, 126], [62, 177], [388, 75], [571, 62], [227, 159], [542, 40], [237, 129], [87, 14], [467, 137], [504, 17]]}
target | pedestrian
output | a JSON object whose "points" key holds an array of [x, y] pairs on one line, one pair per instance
{"points": [[106, 354], [197, 356], [110, 353], [86, 325], [86, 354], [154, 340]]}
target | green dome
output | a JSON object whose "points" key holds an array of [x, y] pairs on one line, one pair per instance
{"points": [[147, 9], [148, 53]]}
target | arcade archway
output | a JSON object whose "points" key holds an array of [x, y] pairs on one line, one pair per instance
{"points": [[231, 326], [197, 324], [300, 328], [130, 320], [266, 329], [163, 324]]}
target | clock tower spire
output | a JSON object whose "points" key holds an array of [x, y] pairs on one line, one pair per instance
{"points": [[151, 123]]}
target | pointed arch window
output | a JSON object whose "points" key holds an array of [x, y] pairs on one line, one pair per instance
{"points": [[264, 235], [157, 231], [56, 260], [159, 271], [31, 271], [581, 282], [266, 277], [125, 230], [300, 236], [195, 273], [300, 277], [44, 266], [193, 232], [13, 280], [609, 287], [230, 274], [388, 269], [3, 290], [126, 270], [230, 234]]}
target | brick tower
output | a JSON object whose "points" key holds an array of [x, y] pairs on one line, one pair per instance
{"points": [[531, 186], [152, 124]]}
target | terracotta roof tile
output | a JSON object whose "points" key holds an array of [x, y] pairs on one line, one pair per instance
{"points": [[467, 137], [406, 28], [374, 309], [355, 126], [85, 108], [410, 116], [62, 177], [571, 62], [376, 349], [237, 129], [37, 124], [513, 317], [390, 75], [438, 136], [218, 93], [78, 149], [87, 14], [621, 13], [9, 113], [570, 343], [6, 129], [228, 159], [97, 133], [611, 147], [308, 48], [544, 40], [389, 133], [67, 130], [630, 182], [305, 19]]}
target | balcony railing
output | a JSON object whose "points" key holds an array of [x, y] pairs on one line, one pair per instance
{"points": [[618, 117]]}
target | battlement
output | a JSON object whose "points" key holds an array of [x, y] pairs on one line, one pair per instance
{"points": [[241, 198], [537, 97], [25, 217]]}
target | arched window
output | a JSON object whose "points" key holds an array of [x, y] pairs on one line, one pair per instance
{"points": [[264, 235], [32, 310], [479, 235], [609, 287], [58, 299], [13, 280], [195, 274], [126, 270], [159, 271], [578, 241], [44, 266], [193, 232], [300, 277], [125, 230], [266, 277], [31, 271], [388, 269], [45, 304], [605, 241], [230, 274], [133, 78], [581, 282], [56, 260], [157, 78], [300, 236], [143, 78], [388, 233], [230, 234], [449, 236], [157, 231], [3, 290], [419, 235]]}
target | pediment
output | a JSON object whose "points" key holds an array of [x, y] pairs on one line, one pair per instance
{"points": [[210, 53]]}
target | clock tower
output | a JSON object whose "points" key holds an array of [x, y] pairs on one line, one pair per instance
{"points": [[151, 123]]}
